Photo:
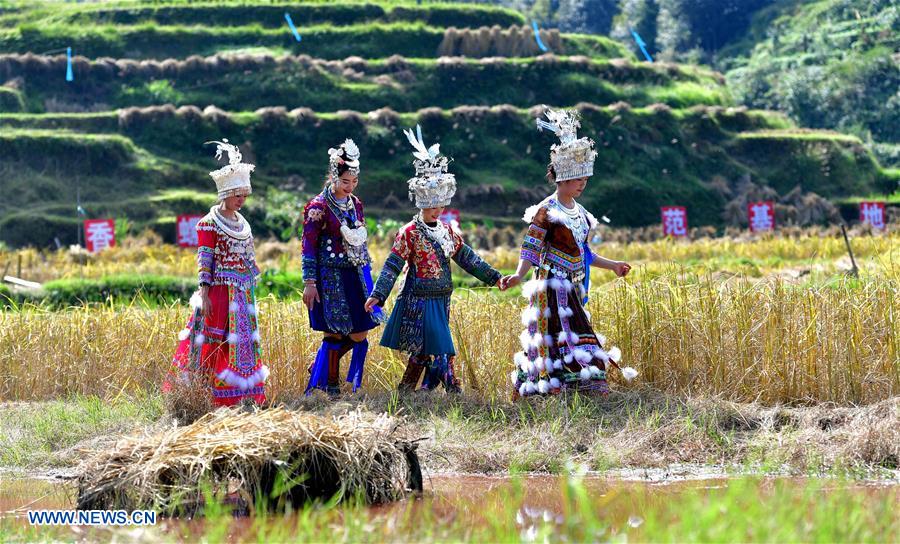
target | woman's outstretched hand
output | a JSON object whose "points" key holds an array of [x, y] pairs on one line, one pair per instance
{"points": [[509, 281], [371, 302], [621, 268]]}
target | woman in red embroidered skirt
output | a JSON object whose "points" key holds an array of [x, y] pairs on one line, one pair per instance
{"points": [[221, 340]]}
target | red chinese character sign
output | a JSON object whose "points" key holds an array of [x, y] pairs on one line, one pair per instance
{"points": [[450, 216], [186, 230], [761, 216], [872, 213], [674, 221], [99, 234]]}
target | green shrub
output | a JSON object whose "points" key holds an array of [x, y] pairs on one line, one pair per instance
{"points": [[153, 289], [47, 149], [11, 100]]}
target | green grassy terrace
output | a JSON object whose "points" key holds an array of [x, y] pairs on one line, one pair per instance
{"points": [[653, 156], [255, 81]]}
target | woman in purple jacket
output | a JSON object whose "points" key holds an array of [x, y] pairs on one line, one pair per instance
{"points": [[337, 273]]}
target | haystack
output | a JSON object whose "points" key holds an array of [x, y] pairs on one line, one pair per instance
{"points": [[274, 455]]}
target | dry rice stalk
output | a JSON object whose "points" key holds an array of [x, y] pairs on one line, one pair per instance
{"points": [[353, 455]]}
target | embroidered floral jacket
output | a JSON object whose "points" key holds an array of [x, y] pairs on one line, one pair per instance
{"points": [[429, 267], [556, 238], [223, 259]]}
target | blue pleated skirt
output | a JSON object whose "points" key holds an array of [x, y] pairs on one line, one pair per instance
{"points": [[356, 301], [437, 339]]}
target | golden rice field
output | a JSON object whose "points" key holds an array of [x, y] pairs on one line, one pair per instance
{"points": [[794, 252], [687, 328]]}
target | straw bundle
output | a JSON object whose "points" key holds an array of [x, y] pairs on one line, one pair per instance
{"points": [[276, 455]]}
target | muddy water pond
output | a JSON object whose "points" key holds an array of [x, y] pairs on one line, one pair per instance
{"points": [[453, 504]]}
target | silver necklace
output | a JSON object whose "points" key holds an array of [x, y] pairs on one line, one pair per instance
{"points": [[439, 234]]}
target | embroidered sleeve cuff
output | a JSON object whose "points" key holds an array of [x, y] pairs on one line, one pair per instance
{"points": [[393, 267], [469, 261], [530, 256], [310, 268]]}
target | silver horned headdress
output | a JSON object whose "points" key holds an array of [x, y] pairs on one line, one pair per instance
{"points": [[234, 177], [348, 149], [572, 157], [432, 187]]}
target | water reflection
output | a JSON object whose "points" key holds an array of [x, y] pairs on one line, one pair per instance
{"points": [[536, 507]]}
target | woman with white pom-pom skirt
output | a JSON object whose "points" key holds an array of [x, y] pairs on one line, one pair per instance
{"points": [[560, 350], [221, 342]]}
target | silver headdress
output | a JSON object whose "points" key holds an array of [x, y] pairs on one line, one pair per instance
{"points": [[233, 177], [572, 157], [432, 187], [335, 159]]}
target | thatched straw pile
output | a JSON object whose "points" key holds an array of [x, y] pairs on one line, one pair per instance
{"points": [[274, 455]]}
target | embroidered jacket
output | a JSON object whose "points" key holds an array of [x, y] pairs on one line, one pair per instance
{"points": [[223, 259], [429, 267], [556, 238], [323, 244]]}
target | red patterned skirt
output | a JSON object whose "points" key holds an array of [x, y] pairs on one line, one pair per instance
{"points": [[223, 348]]}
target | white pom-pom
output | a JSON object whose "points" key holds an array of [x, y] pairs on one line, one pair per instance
{"points": [[629, 373], [615, 354], [514, 377], [562, 337], [554, 383], [543, 387], [547, 312], [196, 302], [251, 309], [520, 358], [594, 371], [569, 358], [567, 285], [525, 340], [601, 339], [263, 374], [585, 374], [529, 316], [539, 364], [199, 339], [573, 337], [232, 338], [530, 388], [548, 340], [256, 337], [557, 364], [183, 335], [529, 368], [554, 284], [537, 340], [523, 389], [233, 307]]}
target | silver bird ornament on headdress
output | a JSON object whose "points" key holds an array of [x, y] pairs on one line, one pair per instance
{"points": [[432, 187], [233, 177]]}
